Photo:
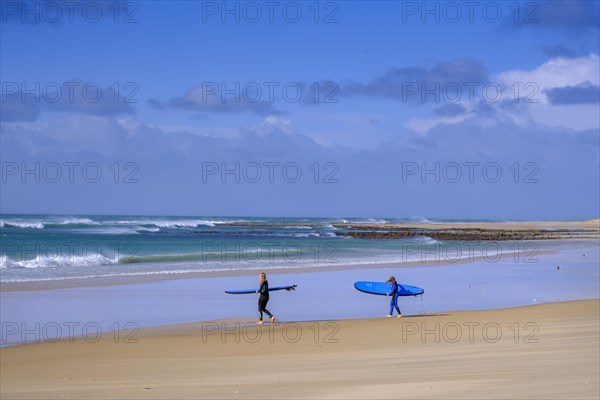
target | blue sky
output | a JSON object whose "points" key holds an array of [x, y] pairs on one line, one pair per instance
{"points": [[499, 103]]}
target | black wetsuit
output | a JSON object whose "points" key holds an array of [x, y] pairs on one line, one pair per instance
{"points": [[263, 300]]}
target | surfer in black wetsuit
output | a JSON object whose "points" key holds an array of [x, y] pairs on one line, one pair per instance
{"points": [[394, 294], [263, 299]]}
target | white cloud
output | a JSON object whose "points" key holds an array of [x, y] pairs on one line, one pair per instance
{"points": [[556, 72], [559, 72], [422, 126], [272, 124]]}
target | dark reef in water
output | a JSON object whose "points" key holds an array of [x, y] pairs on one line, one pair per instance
{"points": [[386, 232], [469, 231]]}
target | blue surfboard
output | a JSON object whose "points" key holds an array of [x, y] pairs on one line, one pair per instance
{"points": [[271, 289], [383, 288]]}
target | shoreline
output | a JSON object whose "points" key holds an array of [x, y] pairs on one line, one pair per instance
{"points": [[226, 324], [165, 276], [544, 351], [78, 282], [321, 295]]}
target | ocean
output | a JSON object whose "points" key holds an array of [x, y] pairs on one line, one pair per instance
{"points": [[59, 247]]}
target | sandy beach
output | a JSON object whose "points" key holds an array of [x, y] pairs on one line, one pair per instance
{"points": [[185, 338], [543, 351], [333, 200]]}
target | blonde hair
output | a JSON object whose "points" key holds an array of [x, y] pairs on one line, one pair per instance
{"points": [[263, 277]]}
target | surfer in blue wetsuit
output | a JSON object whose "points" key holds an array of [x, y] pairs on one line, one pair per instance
{"points": [[394, 293], [263, 299]]}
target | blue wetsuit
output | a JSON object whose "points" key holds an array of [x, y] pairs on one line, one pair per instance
{"points": [[394, 300]]}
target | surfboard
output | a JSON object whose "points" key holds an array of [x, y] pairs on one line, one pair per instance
{"points": [[383, 288], [271, 289]]}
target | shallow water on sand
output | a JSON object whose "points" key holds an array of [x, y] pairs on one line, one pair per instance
{"points": [[326, 295]]}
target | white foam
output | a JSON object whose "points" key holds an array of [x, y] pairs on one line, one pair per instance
{"points": [[113, 230], [303, 235], [142, 229], [58, 260], [426, 240], [420, 220], [184, 223], [22, 224], [167, 223], [74, 221]]}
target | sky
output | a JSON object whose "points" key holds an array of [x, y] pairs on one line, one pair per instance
{"points": [[402, 109]]}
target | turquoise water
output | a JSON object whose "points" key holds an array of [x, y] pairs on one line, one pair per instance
{"points": [[51, 247]]}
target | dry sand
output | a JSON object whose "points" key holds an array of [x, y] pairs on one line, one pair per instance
{"points": [[554, 355]]}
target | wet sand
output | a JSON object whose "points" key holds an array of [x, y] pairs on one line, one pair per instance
{"points": [[542, 351]]}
